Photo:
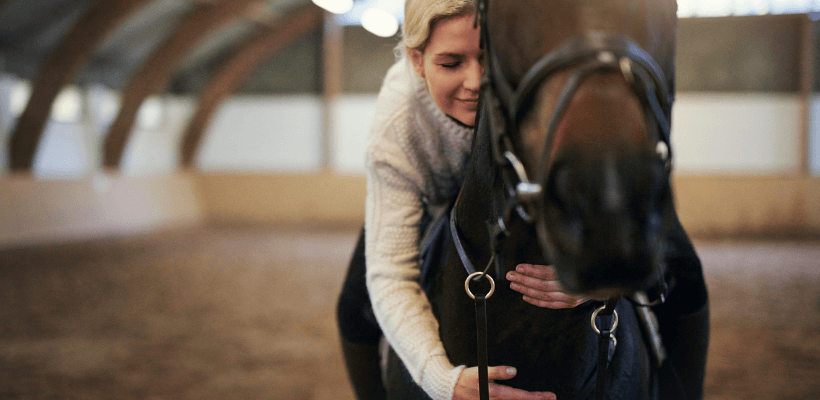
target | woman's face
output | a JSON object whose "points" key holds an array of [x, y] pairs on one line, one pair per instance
{"points": [[451, 66]]}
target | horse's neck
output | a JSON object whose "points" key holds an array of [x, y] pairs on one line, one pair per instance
{"points": [[476, 200], [479, 206]]}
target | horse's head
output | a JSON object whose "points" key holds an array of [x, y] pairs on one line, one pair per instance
{"points": [[577, 97]]}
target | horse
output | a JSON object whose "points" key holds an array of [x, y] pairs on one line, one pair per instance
{"points": [[577, 95]]}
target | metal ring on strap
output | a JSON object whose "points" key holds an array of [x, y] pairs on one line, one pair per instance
{"points": [[595, 315], [477, 274]]}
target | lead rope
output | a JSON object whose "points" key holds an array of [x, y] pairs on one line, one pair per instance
{"points": [[481, 332], [480, 308], [480, 300], [481, 346]]}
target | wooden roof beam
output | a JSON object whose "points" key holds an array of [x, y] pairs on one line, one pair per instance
{"points": [[154, 75], [239, 67], [79, 45]]}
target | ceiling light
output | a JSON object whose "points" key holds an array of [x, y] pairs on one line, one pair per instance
{"points": [[379, 22], [150, 113], [335, 6], [107, 106], [67, 106], [19, 97]]}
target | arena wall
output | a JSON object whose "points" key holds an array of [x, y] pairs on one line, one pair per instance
{"points": [[708, 205], [52, 211], [37, 211]]}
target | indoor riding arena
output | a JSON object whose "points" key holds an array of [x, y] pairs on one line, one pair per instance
{"points": [[182, 185]]}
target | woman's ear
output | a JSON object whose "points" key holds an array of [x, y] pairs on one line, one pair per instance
{"points": [[417, 58]]}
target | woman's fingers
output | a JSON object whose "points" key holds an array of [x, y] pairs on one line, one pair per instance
{"points": [[467, 386], [549, 294], [501, 373], [534, 283], [503, 392], [540, 287], [544, 272], [555, 305]]}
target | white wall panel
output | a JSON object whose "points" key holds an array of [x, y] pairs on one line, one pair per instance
{"points": [[711, 134], [62, 152], [352, 116], [728, 133], [155, 149], [264, 134]]}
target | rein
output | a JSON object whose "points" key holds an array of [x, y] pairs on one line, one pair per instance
{"points": [[588, 54], [480, 307]]}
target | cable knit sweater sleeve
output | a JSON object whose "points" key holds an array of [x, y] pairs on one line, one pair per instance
{"points": [[414, 158]]}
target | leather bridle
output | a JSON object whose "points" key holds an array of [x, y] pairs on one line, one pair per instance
{"points": [[505, 106], [586, 55]]}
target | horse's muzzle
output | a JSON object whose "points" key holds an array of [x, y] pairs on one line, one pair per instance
{"points": [[604, 229]]}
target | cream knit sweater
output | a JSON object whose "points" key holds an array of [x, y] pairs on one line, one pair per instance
{"points": [[415, 159]]}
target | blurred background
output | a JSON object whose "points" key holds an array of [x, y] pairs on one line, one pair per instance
{"points": [[182, 183]]}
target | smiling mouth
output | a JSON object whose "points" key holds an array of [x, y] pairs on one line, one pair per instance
{"points": [[469, 103]]}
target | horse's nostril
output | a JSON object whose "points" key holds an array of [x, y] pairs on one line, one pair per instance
{"points": [[561, 184], [563, 205]]}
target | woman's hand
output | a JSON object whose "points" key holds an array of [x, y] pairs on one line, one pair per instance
{"points": [[467, 386], [540, 287]]}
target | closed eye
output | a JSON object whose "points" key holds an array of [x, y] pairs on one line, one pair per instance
{"points": [[449, 60]]}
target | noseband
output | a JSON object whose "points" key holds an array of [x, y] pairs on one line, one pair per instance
{"points": [[586, 55]]}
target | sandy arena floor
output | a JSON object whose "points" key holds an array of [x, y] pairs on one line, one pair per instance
{"points": [[248, 313]]}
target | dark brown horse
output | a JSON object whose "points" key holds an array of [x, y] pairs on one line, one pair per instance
{"points": [[570, 167]]}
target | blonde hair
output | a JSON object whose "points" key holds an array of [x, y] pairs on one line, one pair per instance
{"points": [[421, 17]]}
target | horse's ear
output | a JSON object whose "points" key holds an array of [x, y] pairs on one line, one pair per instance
{"points": [[417, 58]]}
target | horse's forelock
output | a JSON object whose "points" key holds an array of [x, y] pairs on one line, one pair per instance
{"points": [[523, 32]]}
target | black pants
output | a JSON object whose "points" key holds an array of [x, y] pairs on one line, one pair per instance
{"points": [[354, 313]]}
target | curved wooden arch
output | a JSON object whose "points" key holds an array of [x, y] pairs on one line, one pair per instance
{"points": [[154, 75], [239, 68], [60, 69]]}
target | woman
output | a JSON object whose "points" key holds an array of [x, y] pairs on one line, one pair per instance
{"points": [[418, 146]]}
